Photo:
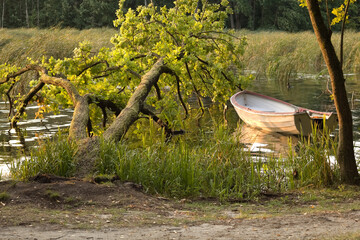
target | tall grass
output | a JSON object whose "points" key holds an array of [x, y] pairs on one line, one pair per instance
{"points": [[282, 55], [16, 45], [314, 161], [216, 166], [277, 54], [212, 165], [52, 156]]}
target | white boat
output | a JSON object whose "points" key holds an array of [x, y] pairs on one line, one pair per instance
{"points": [[274, 115]]}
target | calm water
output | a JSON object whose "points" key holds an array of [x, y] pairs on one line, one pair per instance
{"points": [[14, 144], [308, 91]]}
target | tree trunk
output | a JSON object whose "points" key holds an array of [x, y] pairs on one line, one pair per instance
{"points": [[130, 113], [89, 147], [80, 119], [232, 22], [3, 14], [38, 13], [27, 14], [237, 21], [345, 155]]}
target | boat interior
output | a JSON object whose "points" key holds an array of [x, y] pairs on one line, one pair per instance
{"points": [[260, 103]]}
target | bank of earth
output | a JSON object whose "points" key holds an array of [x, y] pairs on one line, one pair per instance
{"points": [[49, 207]]}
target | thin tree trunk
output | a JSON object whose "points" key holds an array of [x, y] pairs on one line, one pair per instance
{"points": [[232, 22], [38, 13], [27, 14], [81, 114], [231, 16], [237, 21], [345, 155], [3, 14], [254, 14]]}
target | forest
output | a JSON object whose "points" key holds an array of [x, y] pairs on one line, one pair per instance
{"points": [[283, 15]]}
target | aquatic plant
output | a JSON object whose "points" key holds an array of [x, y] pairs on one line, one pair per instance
{"points": [[207, 162], [51, 156], [282, 55], [313, 161]]}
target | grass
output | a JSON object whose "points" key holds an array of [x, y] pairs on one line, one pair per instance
{"points": [[216, 166], [16, 45], [211, 165], [52, 156], [314, 160], [279, 55], [207, 162], [53, 195], [4, 196], [282, 55]]}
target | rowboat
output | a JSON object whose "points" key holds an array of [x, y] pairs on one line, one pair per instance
{"points": [[273, 115]]}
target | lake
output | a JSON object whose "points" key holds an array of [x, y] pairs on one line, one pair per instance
{"points": [[13, 144], [309, 91]]}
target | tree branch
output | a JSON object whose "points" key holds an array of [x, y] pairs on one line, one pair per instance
{"points": [[168, 131], [158, 91], [170, 71], [103, 104], [24, 102], [342, 33], [136, 102], [328, 15], [22, 71], [196, 90], [92, 65], [11, 108]]}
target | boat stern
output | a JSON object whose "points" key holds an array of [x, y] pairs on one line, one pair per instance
{"points": [[303, 123]]}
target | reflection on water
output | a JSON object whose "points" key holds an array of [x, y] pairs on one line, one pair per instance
{"points": [[309, 91], [13, 142], [258, 141]]}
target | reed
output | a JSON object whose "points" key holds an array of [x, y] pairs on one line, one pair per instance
{"points": [[211, 165], [51, 156], [16, 45], [283, 55], [208, 162], [314, 162], [276, 54]]}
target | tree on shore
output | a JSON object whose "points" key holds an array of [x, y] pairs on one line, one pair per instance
{"points": [[345, 154], [184, 49]]}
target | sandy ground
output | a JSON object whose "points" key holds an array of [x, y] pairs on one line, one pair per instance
{"points": [[85, 210], [286, 227]]}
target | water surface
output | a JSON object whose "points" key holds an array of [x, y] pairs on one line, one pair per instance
{"points": [[309, 91]]}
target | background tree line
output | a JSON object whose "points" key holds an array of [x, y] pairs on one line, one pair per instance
{"points": [[285, 15]]}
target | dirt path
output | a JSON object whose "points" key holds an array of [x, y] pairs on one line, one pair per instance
{"points": [[285, 227], [59, 208]]}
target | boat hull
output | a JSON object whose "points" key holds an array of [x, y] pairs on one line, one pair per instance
{"points": [[273, 115]]}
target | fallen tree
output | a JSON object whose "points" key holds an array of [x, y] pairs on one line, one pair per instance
{"points": [[184, 48]]}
